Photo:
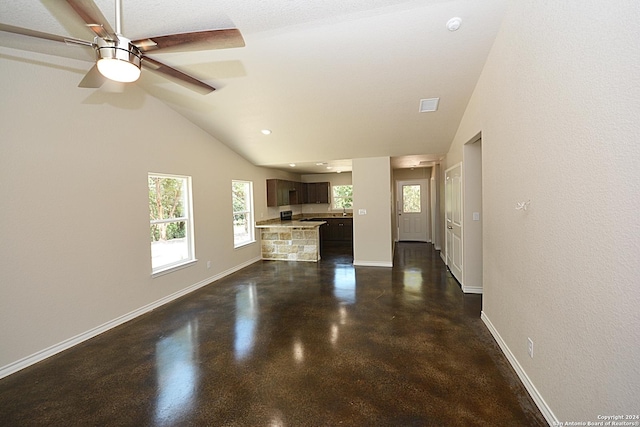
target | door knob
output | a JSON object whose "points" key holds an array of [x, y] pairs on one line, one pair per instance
{"points": [[449, 227]]}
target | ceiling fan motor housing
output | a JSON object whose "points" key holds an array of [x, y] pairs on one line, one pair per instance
{"points": [[112, 52]]}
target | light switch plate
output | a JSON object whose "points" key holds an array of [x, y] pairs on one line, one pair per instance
{"points": [[362, 211], [476, 216]]}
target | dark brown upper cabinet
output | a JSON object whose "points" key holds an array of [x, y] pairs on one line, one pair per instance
{"points": [[281, 192], [318, 192]]}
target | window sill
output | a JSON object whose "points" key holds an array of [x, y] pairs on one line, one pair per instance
{"points": [[244, 244], [173, 268]]}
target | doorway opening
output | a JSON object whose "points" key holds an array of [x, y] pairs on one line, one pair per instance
{"points": [[472, 216]]}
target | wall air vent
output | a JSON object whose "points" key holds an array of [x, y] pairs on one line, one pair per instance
{"points": [[429, 105]]}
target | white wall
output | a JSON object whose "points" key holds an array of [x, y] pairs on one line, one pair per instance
{"points": [[372, 237], [558, 104], [74, 223]]}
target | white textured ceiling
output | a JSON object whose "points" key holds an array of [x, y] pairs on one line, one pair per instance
{"points": [[334, 80]]}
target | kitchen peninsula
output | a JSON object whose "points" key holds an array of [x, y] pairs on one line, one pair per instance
{"points": [[290, 239], [299, 238]]}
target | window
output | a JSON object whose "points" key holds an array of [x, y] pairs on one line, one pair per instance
{"points": [[242, 192], [171, 221], [342, 196]]}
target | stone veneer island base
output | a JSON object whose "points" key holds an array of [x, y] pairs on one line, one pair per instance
{"points": [[291, 240]]}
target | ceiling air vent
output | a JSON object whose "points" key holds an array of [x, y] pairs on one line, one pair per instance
{"points": [[429, 105]]}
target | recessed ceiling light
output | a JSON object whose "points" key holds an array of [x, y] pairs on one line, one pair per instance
{"points": [[329, 167], [321, 163], [454, 23], [266, 131], [293, 165], [338, 171]]}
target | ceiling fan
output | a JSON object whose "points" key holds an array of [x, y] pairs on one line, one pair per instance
{"points": [[120, 59]]}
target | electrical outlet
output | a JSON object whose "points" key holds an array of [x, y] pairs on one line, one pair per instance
{"points": [[208, 265], [530, 347]]}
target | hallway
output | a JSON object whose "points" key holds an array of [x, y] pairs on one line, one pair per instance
{"points": [[289, 344]]}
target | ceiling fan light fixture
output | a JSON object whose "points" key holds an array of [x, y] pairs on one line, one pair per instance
{"points": [[118, 70], [118, 61]]}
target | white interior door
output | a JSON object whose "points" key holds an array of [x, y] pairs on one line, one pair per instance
{"points": [[412, 210], [453, 219]]}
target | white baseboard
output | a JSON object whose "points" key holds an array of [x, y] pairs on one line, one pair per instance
{"points": [[533, 392], [372, 263], [443, 258], [471, 289], [68, 343]]}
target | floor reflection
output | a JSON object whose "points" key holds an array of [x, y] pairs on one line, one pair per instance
{"points": [[411, 285], [344, 284], [298, 350], [177, 374], [413, 279], [335, 333], [246, 320]]}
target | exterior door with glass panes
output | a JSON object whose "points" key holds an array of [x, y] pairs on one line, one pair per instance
{"points": [[412, 210]]}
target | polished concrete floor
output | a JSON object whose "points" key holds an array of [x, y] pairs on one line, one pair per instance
{"points": [[288, 344]]}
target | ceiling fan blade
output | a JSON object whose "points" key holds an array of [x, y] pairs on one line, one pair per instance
{"points": [[93, 17], [198, 40], [179, 76], [93, 79], [41, 35]]}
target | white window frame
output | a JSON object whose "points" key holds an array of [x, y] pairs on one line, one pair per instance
{"points": [[335, 198], [189, 226], [248, 212]]}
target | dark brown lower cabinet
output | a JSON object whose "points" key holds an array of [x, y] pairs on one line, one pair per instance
{"points": [[338, 230]]}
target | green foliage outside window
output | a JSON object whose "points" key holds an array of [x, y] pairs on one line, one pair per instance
{"points": [[342, 196], [242, 221], [411, 199], [166, 201], [239, 192]]}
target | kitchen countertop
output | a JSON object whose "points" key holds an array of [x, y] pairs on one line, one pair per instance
{"points": [[291, 224], [301, 221]]}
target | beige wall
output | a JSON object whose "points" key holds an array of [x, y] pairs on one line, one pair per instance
{"points": [[372, 239], [558, 106], [74, 222], [409, 174]]}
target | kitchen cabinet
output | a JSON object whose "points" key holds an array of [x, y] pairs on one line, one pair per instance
{"points": [[300, 194], [338, 230], [281, 192], [318, 192]]}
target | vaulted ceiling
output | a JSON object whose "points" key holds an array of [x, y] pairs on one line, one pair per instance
{"points": [[333, 80]]}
